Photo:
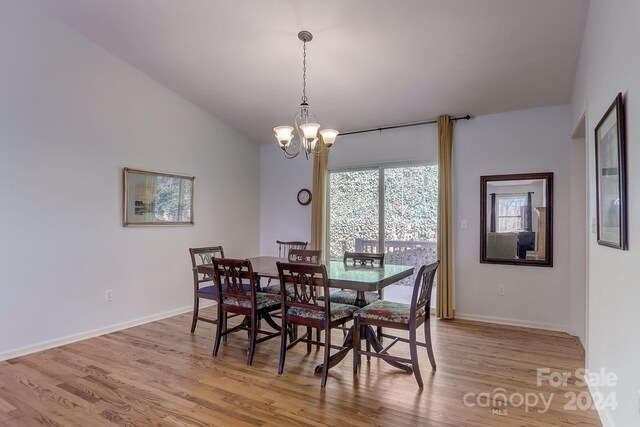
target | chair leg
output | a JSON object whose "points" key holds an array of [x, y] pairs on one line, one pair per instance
{"points": [[327, 351], [309, 336], [356, 346], [380, 338], [427, 341], [318, 336], [368, 349], [253, 331], [413, 348], [220, 328], [283, 345], [224, 319], [196, 307]]}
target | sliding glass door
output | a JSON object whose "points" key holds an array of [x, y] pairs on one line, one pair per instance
{"points": [[390, 209]]}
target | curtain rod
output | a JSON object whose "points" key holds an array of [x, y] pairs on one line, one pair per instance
{"points": [[428, 122]]}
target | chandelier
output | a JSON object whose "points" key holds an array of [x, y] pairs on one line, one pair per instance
{"points": [[306, 125]]}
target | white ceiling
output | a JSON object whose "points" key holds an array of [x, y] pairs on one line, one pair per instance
{"points": [[371, 62]]}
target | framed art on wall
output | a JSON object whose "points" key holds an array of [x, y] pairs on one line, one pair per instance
{"points": [[611, 191], [154, 198]]}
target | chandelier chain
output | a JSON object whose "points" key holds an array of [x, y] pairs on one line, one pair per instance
{"points": [[304, 72]]}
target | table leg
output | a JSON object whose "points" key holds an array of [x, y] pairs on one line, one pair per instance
{"points": [[372, 337], [334, 359], [360, 299]]}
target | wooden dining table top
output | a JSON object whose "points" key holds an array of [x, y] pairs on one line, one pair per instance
{"points": [[341, 275]]}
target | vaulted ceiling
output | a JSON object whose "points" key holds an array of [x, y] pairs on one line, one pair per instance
{"points": [[371, 62]]}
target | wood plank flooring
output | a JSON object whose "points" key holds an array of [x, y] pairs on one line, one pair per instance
{"points": [[159, 374]]}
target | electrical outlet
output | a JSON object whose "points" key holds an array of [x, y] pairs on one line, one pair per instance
{"points": [[464, 224], [501, 290], [108, 295]]}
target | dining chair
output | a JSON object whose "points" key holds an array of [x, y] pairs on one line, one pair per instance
{"points": [[232, 277], [200, 256], [346, 296], [308, 256], [400, 316], [302, 307], [284, 247]]}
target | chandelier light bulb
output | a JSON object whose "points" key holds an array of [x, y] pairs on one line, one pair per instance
{"points": [[329, 136], [310, 131], [284, 134]]}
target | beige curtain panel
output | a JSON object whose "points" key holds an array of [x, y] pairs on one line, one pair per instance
{"points": [[444, 303], [318, 200]]}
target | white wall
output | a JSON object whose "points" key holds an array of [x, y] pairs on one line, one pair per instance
{"points": [[579, 228], [535, 140], [71, 117], [281, 216], [609, 63]]}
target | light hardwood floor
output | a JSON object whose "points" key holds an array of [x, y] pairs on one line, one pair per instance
{"points": [[160, 374]]}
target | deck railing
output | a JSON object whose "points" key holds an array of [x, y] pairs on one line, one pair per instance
{"points": [[401, 252]]}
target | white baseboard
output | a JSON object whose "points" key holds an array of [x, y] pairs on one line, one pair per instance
{"points": [[512, 322], [56, 342]]}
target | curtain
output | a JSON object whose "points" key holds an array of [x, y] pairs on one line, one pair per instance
{"points": [[493, 213], [528, 213], [318, 200], [444, 304]]}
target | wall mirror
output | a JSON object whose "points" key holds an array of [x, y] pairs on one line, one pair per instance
{"points": [[516, 219]]}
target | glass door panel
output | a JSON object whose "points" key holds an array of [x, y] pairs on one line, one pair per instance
{"points": [[410, 222], [353, 212]]}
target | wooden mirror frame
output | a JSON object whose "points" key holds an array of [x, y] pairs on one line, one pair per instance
{"points": [[484, 181]]}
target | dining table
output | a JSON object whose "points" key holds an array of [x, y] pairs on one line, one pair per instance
{"points": [[360, 278]]}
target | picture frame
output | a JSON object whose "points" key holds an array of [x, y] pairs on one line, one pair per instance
{"points": [[611, 177], [156, 198]]}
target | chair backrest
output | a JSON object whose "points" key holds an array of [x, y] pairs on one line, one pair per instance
{"points": [[305, 255], [232, 277], [306, 280], [285, 247], [423, 287], [200, 256], [364, 258]]}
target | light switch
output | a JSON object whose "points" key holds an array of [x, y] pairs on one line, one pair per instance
{"points": [[594, 225], [463, 224]]}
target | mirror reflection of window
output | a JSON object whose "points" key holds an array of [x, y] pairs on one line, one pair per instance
{"points": [[511, 212]]}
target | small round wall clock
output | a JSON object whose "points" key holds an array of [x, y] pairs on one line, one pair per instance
{"points": [[304, 197]]}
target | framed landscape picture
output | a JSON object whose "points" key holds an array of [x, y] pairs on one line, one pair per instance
{"points": [[611, 191], [154, 198]]}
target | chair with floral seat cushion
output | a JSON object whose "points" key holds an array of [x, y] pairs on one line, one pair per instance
{"points": [[303, 307], [345, 296], [203, 256], [404, 317], [232, 278], [306, 256], [299, 256]]}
